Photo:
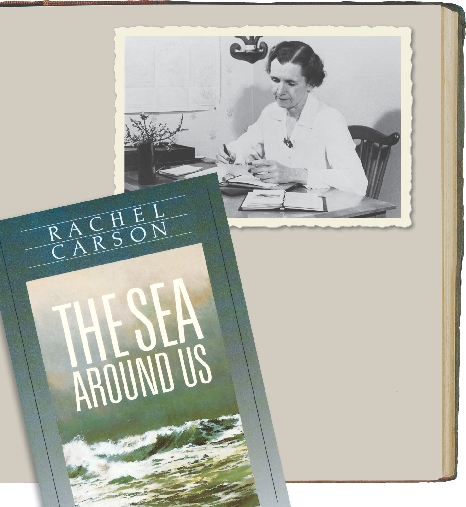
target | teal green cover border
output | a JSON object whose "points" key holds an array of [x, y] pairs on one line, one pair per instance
{"points": [[205, 222]]}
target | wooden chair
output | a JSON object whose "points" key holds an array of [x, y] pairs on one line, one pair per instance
{"points": [[373, 150]]}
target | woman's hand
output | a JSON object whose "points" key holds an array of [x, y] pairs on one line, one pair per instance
{"points": [[274, 172], [223, 157]]}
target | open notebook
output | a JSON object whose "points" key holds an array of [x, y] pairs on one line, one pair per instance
{"points": [[281, 199]]}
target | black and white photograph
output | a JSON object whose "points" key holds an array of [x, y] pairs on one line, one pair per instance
{"points": [[302, 126]]}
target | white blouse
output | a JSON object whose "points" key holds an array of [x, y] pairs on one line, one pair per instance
{"points": [[321, 143]]}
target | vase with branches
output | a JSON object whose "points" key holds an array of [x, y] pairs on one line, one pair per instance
{"points": [[144, 135]]}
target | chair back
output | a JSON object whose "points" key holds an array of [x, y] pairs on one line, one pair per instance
{"points": [[373, 150]]}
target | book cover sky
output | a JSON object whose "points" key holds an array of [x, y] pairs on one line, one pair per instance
{"points": [[141, 386]]}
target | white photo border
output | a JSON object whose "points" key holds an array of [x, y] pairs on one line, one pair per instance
{"points": [[406, 109]]}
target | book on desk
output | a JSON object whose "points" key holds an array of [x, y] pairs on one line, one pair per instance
{"points": [[281, 199]]}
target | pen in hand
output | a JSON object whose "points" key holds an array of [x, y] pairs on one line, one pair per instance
{"points": [[225, 149]]}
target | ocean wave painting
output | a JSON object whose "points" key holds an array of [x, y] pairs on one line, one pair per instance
{"points": [[200, 463]]}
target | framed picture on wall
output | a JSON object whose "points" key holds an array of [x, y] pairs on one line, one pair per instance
{"points": [[304, 126]]}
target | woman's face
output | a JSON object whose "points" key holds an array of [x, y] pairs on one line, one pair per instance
{"points": [[289, 86]]}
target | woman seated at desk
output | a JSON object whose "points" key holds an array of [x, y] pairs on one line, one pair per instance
{"points": [[298, 138]]}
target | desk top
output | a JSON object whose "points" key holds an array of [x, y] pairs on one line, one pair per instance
{"points": [[339, 204]]}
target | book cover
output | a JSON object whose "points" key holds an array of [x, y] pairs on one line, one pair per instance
{"points": [[133, 353]]}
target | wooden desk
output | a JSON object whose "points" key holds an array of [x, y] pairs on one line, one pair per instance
{"points": [[339, 204]]}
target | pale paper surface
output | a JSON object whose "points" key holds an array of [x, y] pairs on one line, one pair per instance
{"points": [[122, 66], [171, 75], [347, 322]]}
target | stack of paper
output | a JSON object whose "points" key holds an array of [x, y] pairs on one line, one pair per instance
{"points": [[203, 172], [225, 172], [233, 174], [180, 171], [248, 180]]}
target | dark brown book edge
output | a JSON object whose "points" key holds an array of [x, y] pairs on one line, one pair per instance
{"points": [[453, 29]]}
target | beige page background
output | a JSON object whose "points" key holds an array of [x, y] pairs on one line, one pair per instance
{"points": [[347, 322]]}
